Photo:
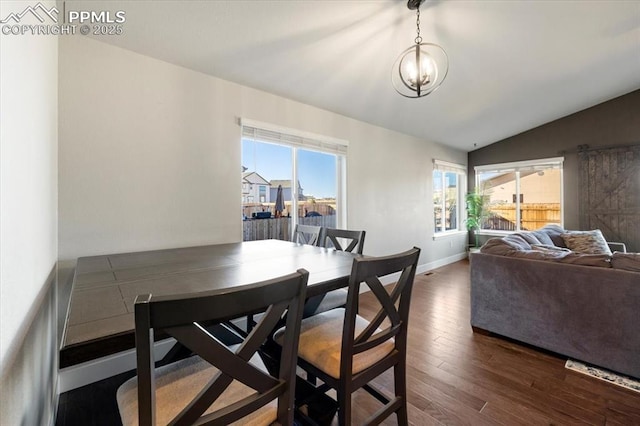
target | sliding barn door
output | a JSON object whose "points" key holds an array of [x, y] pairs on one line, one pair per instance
{"points": [[610, 193]]}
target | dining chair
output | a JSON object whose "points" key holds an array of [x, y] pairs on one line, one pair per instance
{"points": [[306, 234], [218, 385], [347, 352], [341, 240]]}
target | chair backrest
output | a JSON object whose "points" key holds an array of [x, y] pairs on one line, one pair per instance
{"points": [[342, 239], [182, 317], [307, 234], [394, 305]]}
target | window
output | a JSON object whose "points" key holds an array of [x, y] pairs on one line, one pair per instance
{"points": [[449, 183], [307, 170], [524, 195]]}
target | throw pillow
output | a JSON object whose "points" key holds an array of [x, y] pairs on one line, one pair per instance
{"points": [[626, 261], [587, 242]]}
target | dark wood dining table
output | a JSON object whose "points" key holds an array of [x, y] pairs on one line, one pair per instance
{"points": [[100, 316]]}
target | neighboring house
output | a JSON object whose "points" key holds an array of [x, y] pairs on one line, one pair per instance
{"points": [[255, 189], [286, 190]]}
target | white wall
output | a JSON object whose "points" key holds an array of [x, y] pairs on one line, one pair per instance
{"points": [[28, 216], [150, 158]]}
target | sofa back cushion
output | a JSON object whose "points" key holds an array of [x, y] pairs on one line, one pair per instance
{"points": [[587, 242], [626, 261]]}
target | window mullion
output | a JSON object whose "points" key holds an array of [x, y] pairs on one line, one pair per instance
{"points": [[294, 188], [518, 214], [443, 203]]}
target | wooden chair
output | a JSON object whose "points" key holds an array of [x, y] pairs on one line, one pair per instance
{"points": [[342, 240], [218, 385], [306, 234], [347, 352], [336, 238]]}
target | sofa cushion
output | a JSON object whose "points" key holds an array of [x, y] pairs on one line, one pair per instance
{"points": [[552, 255], [587, 242], [626, 261], [599, 260], [547, 247], [554, 231]]}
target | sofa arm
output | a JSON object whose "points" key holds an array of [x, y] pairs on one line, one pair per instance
{"points": [[617, 247]]}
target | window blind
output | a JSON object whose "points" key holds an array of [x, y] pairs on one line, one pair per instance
{"points": [[520, 166], [270, 133], [446, 166]]}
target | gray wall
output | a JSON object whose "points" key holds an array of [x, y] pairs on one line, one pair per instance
{"points": [[615, 122]]}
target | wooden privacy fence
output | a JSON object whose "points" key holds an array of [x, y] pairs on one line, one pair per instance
{"points": [[532, 216], [280, 228]]}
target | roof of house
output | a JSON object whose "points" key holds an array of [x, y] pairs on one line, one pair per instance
{"points": [[255, 178]]}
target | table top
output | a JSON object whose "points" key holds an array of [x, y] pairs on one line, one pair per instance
{"points": [[100, 317]]}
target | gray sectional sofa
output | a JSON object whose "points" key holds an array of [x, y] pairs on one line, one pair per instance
{"points": [[583, 306]]}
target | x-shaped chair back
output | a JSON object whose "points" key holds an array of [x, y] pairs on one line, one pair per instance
{"points": [[307, 234], [394, 305], [184, 318], [343, 239]]}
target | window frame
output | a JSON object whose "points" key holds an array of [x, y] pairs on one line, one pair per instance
{"points": [[517, 167], [443, 167], [298, 139]]}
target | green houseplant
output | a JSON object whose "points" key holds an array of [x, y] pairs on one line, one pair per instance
{"points": [[476, 212]]}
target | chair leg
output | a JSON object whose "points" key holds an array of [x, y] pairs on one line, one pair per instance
{"points": [[344, 407], [400, 384]]}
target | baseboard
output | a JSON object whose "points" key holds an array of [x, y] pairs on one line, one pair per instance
{"points": [[441, 262], [95, 370], [425, 267]]}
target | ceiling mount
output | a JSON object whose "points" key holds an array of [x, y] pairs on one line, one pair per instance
{"points": [[414, 4], [421, 68]]}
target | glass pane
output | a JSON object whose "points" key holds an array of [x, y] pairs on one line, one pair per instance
{"points": [[317, 188], [499, 191], [437, 200], [540, 198], [451, 201], [265, 168]]}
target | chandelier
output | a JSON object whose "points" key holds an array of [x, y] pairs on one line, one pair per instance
{"points": [[421, 68]]}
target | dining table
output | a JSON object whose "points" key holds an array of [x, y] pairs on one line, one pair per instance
{"points": [[100, 318]]}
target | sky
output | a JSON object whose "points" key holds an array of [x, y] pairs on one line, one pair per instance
{"points": [[316, 170]]}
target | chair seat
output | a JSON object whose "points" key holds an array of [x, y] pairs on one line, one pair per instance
{"points": [[322, 303], [178, 383], [321, 343]]}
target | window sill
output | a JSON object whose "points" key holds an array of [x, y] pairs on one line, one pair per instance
{"points": [[494, 233], [447, 234]]}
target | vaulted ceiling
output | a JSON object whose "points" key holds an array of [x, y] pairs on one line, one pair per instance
{"points": [[514, 64]]}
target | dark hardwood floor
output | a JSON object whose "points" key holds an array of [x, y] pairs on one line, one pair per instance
{"points": [[455, 376]]}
